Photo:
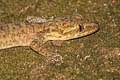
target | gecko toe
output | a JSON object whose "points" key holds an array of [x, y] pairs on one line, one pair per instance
{"points": [[56, 59]]}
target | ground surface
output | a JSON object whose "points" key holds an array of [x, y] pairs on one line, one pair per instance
{"points": [[95, 57]]}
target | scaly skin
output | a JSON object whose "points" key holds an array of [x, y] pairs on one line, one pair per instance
{"points": [[35, 34]]}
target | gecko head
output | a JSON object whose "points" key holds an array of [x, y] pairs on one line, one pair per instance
{"points": [[76, 30], [86, 29], [69, 29]]}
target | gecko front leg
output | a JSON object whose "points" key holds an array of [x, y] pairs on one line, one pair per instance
{"points": [[54, 58]]}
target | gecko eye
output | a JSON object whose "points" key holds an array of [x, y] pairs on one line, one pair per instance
{"points": [[80, 28]]}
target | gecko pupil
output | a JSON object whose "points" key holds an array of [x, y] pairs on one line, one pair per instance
{"points": [[80, 28]]}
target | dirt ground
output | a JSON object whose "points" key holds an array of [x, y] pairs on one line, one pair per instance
{"points": [[94, 57]]}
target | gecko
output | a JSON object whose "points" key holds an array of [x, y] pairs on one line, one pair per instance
{"points": [[35, 32]]}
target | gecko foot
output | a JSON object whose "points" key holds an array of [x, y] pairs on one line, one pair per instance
{"points": [[55, 58]]}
